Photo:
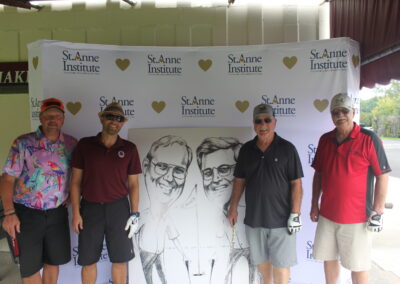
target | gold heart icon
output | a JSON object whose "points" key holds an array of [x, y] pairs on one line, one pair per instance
{"points": [[290, 61], [242, 105], [158, 106], [35, 61], [356, 60], [205, 64], [74, 108], [321, 105], [122, 63]]}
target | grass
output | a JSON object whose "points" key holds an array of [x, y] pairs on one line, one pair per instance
{"points": [[391, 138]]}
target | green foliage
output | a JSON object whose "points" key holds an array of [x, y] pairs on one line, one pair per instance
{"points": [[383, 112]]}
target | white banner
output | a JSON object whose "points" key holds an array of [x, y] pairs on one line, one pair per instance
{"points": [[204, 88]]}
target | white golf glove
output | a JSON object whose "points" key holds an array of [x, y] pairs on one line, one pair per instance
{"points": [[132, 225], [294, 223], [375, 222]]}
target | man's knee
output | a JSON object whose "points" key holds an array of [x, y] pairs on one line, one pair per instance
{"points": [[89, 268], [119, 266], [265, 268]]}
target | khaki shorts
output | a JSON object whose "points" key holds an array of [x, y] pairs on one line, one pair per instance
{"points": [[351, 243]]}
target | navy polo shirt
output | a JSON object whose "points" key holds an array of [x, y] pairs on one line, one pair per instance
{"points": [[267, 181], [105, 170]]}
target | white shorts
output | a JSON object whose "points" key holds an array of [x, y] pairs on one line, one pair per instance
{"points": [[350, 243]]}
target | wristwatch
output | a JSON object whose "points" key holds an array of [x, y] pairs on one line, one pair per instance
{"points": [[135, 214]]}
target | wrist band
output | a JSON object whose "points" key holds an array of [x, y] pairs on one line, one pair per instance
{"points": [[8, 210], [9, 214], [135, 214]]}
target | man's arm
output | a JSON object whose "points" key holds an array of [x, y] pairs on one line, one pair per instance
{"points": [[297, 195], [316, 192], [133, 189], [75, 194], [11, 222], [381, 188], [237, 191]]}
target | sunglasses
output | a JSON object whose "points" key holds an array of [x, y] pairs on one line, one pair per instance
{"points": [[259, 121], [114, 117], [52, 103], [338, 111]]}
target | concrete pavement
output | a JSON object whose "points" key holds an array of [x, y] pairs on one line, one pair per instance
{"points": [[386, 244]]}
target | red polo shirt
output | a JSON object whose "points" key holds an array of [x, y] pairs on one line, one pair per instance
{"points": [[105, 170], [348, 171]]}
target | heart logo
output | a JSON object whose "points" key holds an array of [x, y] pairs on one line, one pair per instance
{"points": [[290, 61], [74, 108], [205, 64], [158, 106], [122, 63], [321, 105], [35, 62], [356, 60], [242, 106]]}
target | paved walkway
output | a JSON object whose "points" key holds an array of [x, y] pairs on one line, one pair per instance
{"points": [[386, 244]]}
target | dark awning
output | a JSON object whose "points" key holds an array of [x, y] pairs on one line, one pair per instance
{"points": [[375, 24]]}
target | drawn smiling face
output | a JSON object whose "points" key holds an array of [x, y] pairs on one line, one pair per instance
{"points": [[165, 174], [217, 171]]}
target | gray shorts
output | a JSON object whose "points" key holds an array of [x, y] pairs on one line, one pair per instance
{"points": [[276, 245]]}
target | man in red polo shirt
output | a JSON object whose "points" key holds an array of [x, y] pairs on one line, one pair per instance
{"points": [[105, 172], [347, 160]]}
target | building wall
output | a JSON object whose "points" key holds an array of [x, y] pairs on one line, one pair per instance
{"points": [[147, 25]]}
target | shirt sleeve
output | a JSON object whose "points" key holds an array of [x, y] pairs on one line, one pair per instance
{"points": [[77, 157], [295, 170], [15, 160], [378, 159], [134, 166], [239, 168]]}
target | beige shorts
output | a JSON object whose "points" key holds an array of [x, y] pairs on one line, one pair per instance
{"points": [[349, 243]]}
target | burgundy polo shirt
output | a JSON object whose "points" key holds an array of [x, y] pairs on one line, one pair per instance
{"points": [[348, 171], [105, 170]]}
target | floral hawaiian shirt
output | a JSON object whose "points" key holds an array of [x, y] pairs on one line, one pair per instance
{"points": [[43, 169]]}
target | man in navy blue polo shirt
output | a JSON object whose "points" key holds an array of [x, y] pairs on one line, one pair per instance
{"points": [[270, 171], [105, 171]]}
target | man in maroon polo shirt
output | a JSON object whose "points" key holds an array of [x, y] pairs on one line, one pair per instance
{"points": [[347, 160], [105, 172]]}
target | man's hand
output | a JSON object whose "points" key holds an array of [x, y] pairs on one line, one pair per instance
{"points": [[132, 225], [232, 216], [314, 213], [294, 223], [11, 225], [375, 222], [77, 223]]}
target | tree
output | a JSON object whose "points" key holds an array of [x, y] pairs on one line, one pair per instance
{"points": [[383, 111]]}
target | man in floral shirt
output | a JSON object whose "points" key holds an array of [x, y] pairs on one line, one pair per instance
{"points": [[35, 213]]}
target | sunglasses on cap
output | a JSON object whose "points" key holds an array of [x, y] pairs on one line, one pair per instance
{"points": [[52, 103], [259, 120], [114, 117], [337, 111]]}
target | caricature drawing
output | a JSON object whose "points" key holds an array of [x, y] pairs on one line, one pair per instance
{"points": [[165, 177], [216, 158]]}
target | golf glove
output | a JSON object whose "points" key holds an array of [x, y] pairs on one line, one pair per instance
{"points": [[375, 222], [132, 225], [294, 223]]}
